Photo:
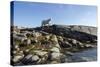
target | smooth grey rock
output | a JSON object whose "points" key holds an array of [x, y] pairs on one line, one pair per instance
{"points": [[89, 45], [35, 58], [17, 58], [55, 56], [40, 53], [78, 32], [30, 59], [74, 41], [55, 49], [69, 53], [28, 41], [28, 56]]}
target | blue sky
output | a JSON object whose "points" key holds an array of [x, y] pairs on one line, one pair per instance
{"points": [[30, 14]]}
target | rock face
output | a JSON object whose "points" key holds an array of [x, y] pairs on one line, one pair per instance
{"points": [[84, 29], [82, 33], [48, 45]]}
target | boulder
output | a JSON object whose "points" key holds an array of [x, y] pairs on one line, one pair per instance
{"points": [[28, 56], [68, 53], [28, 41], [74, 41], [35, 58], [21, 52], [16, 46], [55, 49], [89, 45], [40, 53], [55, 56], [54, 38], [17, 58], [30, 59]]}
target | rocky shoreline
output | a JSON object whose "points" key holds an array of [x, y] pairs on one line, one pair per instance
{"points": [[48, 45]]}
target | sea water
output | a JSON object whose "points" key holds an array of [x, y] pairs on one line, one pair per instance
{"points": [[83, 56]]}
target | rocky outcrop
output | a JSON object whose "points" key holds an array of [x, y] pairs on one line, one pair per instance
{"points": [[49, 45], [85, 29], [81, 33]]}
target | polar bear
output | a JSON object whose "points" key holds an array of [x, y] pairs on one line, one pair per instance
{"points": [[46, 22]]}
